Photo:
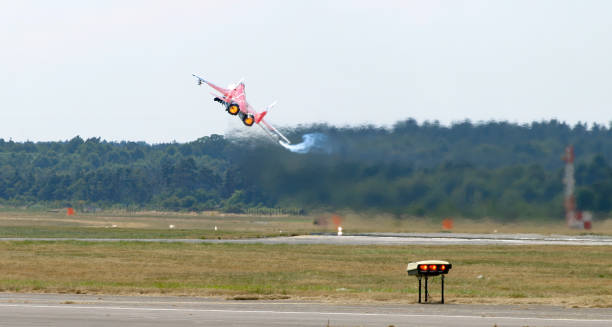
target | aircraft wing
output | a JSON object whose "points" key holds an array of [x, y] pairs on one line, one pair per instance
{"points": [[273, 132], [218, 88]]}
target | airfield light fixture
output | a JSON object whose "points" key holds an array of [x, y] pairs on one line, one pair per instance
{"points": [[425, 270]]}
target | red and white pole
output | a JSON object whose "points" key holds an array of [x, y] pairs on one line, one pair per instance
{"points": [[574, 218], [569, 183]]}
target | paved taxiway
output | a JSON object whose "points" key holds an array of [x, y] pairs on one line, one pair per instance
{"points": [[383, 239], [92, 310]]}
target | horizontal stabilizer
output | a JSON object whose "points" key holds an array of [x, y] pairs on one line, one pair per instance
{"points": [[260, 116]]}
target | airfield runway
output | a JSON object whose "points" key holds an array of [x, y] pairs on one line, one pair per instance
{"points": [[381, 239], [92, 310]]}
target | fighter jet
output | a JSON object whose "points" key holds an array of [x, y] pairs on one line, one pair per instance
{"points": [[234, 101]]}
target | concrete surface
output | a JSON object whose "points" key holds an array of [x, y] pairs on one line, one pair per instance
{"points": [[91, 310]]}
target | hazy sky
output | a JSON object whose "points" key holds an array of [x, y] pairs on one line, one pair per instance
{"points": [[122, 70]]}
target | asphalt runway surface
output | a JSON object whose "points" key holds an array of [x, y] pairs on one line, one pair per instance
{"points": [[99, 310], [382, 239]]}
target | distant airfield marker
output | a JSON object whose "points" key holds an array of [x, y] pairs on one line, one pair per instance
{"points": [[339, 230], [447, 224], [429, 268]]}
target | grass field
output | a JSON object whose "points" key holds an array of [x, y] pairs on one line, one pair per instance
{"points": [[149, 225], [23, 223], [562, 275]]}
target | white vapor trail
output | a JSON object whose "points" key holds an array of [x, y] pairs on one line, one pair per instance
{"points": [[309, 142]]}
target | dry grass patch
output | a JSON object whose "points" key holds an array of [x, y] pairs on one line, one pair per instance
{"points": [[567, 275]]}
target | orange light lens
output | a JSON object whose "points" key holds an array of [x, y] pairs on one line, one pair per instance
{"points": [[423, 267], [443, 267], [433, 267]]}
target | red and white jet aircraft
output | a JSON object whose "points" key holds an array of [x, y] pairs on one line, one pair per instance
{"points": [[234, 100]]}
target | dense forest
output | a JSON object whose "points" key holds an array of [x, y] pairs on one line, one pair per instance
{"points": [[494, 169]]}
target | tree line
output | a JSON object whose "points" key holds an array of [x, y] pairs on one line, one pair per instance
{"points": [[494, 169]]}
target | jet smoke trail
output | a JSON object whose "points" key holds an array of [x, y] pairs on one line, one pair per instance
{"points": [[309, 142]]}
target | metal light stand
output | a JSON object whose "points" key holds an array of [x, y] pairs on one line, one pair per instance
{"points": [[427, 288], [419, 278], [442, 276]]}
